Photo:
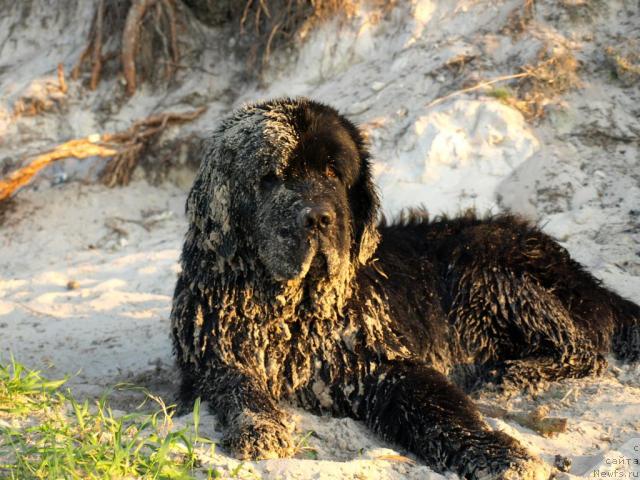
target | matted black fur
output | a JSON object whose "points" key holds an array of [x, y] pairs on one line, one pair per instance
{"points": [[291, 291]]}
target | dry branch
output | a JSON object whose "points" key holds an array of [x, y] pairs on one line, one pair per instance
{"points": [[123, 148], [478, 86]]}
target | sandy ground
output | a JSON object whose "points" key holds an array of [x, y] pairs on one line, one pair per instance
{"points": [[576, 173]]}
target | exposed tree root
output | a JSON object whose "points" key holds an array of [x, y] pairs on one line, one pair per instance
{"points": [[79, 148], [130, 41], [123, 148], [127, 34], [134, 141], [139, 33], [170, 11], [96, 56], [93, 50], [62, 83]]}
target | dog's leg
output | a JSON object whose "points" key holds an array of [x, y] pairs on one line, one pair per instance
{"points": [[531, 374], [517, 294], [519, 329], [187, 392], [256, 428], [560, 348], [417, 407], [613, 321]]}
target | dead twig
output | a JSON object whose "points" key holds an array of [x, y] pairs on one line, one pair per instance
{"points": [[478, 86]]}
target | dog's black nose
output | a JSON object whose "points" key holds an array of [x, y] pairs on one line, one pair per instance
{"points": [[318, 217]]}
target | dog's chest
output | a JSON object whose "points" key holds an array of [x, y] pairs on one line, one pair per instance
{"points": [[287, 354], [316, 352]]}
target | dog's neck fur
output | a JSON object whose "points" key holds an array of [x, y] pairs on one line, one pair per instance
{"points": [[265, 326]]}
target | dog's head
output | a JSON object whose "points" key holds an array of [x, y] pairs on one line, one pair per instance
{"points": [[286, 183]]}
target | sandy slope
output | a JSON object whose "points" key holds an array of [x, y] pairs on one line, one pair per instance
{"points": [[577, 173]]}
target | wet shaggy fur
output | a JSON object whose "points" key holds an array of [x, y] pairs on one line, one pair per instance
{"points": [[291, 291]]}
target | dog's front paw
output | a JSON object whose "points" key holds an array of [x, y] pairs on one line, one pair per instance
{"points": [[528, 469], [258, 436]]}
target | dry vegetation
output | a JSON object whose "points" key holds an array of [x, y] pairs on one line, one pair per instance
{"points": [[534, 87], [268, 25], [625, 62], [140, 38], [42, 96], [519, 18], [555, 73]]}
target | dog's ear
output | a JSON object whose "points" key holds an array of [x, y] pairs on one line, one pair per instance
{"points": [[209, 202], [365, 206], [197, 204]]}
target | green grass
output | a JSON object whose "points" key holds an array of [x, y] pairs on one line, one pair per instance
{"points": [[501, 93], [304, 448], [45, 433]]}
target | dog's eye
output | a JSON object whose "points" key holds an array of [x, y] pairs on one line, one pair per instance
{"points": [[269, 181], [331, 172]]}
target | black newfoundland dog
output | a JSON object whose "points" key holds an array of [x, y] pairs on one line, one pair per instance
{"points": [[291, 291]]}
